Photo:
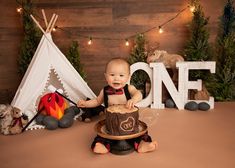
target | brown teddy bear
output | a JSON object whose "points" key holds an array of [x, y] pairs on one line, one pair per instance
{"points": [[18, 122], [200, 95]]}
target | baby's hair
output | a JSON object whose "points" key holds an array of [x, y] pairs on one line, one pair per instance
{"points": [[118, 60]]}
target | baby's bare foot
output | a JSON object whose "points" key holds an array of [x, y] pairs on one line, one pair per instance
{"points": [[100, 148], [147, 146]]}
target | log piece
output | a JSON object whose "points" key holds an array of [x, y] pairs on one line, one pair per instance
{"points": [[122, 121]]}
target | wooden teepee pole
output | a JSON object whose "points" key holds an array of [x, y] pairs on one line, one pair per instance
{"points": [[37, 23], [44, 17], [49, 25], [53, 23]]}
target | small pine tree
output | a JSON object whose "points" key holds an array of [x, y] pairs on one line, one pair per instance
{"points": [[74, 58], [224, 79], [138, 54], [32, 36], [197, 48]]}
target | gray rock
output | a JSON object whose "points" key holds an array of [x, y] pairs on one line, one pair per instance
{"points": [[192, 106], [39, 119], [170, 103], [203, 106], [65, 122], [50, 122], [72, 109]]}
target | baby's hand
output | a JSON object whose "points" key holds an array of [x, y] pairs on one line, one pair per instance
{"points": [[130, 104], [81, 103]]}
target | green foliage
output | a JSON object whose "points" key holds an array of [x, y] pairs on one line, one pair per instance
{"points": [[74, 58], [195, 3], [31, 39], [138, 54], [224, 79], [227, 21], [198, 48]]}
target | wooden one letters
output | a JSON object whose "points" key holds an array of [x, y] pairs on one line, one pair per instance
{"points": [[158, 74]]}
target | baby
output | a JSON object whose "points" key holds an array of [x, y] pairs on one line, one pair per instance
{"points": [[117, 73]]}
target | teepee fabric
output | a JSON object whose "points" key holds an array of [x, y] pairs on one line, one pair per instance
{"points": [[49, 66]]}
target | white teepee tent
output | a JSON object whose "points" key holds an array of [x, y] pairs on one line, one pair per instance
{"points": [[48, 66]]}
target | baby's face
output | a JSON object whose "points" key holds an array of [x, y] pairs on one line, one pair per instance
{"points": [[117, 75]]}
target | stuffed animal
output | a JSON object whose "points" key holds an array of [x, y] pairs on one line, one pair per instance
{"points": [[18, 122], [202, 94], [5, 118], [169, 60], [199, 94], [89, 113]]}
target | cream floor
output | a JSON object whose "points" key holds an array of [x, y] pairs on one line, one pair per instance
{"points": [[186, 140]]}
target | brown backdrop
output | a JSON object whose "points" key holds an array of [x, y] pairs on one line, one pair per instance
{"points": [[100, 18]]}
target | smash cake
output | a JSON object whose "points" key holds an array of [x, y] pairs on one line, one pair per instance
{"points": [[121, 120]]}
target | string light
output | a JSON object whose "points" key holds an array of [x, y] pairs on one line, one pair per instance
{"points": [[19, 9], [54, 28], [90, 41], [160, 29], [192, 8], [127, 42]]}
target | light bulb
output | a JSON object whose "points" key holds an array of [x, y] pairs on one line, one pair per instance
{"points": [[192, 8], [127, 42], [19, 9], [160, 30], [90, 41]]}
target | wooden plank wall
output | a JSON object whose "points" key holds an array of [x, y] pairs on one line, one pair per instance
{"points": [[10, 38], [100, 18]]}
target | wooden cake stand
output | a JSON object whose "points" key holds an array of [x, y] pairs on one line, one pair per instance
{"points": [[121, 145]]}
